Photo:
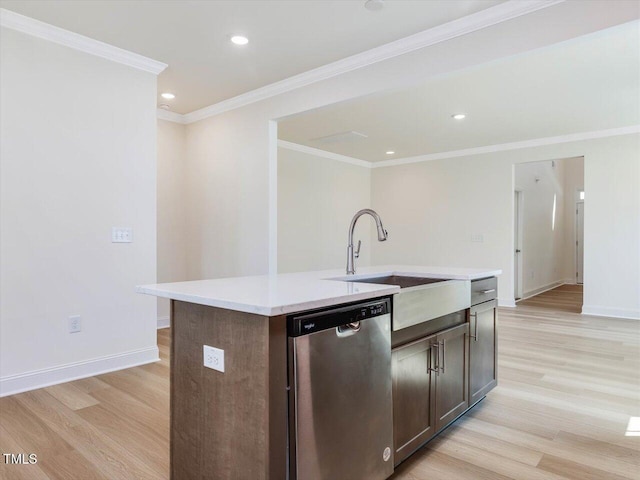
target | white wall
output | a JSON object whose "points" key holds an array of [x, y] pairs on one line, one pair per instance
{"points": [[545, 224], [171, 222], [431, 209], [612, 229], [317, 197], [78, 156], [227, 197]]}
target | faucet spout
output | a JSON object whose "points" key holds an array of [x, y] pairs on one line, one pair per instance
{"points": [[382, 236]]}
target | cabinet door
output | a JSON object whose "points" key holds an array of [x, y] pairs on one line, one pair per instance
{"points": [[483, 371], [452, 383], [413, 399]]}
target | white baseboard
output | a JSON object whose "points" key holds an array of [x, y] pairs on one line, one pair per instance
{"points": [[542, 289], [164, 322], [611, 312], [506, 303], [46, 377]]}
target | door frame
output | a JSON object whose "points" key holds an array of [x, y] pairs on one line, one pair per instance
{"points": [[575, 243], [518, 202]]}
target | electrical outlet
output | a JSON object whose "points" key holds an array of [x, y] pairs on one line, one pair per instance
{"points": [[213, 358], [75, 324], [121, 235]]}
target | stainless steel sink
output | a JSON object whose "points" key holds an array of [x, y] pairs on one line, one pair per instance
{"points": [[399, 280], [421, 298]]}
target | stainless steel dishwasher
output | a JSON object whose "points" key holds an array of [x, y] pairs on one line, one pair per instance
{"points": [[340, 410]]}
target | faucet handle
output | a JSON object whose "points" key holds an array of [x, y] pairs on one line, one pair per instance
{"points": [[356, 254]]}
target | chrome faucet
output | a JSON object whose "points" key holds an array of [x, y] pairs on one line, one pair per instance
{"points": [[351, 254]]}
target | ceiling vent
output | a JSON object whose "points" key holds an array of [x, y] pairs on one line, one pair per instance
{"points": [[342, 137]]}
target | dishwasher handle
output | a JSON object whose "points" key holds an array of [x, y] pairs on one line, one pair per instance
{"points": [[348, 329]]}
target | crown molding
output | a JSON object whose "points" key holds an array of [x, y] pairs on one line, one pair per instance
{"points": [[39, 29], [537, 142], [441, 33], [170, 116], [324, 154]]}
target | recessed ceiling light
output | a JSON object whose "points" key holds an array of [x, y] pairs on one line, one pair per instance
{"points": [[164, 106], [239, 40], [168, 96], [459, 116], [390, 152], [374, 5]]}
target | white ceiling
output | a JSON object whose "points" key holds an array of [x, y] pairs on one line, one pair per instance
{"points": [[286, 37], [586, 84]]}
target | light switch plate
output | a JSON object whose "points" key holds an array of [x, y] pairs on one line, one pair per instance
{"points": [[75, 324], [121, 235], [477, 238], [213, 358]]}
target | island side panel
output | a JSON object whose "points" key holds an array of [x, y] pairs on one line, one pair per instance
{"points": [[278, 398], [229, 425]]}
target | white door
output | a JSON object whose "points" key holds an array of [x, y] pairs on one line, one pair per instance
{"points": [[517, 244], [579, 241]]}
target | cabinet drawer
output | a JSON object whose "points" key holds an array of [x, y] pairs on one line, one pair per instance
{"points": [[484, 290]]}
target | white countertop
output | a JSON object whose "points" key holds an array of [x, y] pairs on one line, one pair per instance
{"points": [[272, 295]]}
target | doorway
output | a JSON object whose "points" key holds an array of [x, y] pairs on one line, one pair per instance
{"points": [[548, 225]]}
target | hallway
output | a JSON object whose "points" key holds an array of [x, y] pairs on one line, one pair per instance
{"points": [[565, 298]]}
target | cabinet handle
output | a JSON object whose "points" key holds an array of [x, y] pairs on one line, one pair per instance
{"points": [[444, 358], [475, 329], [437, 367], [489, 291]]}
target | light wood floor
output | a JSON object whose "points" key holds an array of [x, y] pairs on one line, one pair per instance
{"points": [[568, 385]]}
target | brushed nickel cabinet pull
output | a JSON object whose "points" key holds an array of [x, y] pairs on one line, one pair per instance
{"points": [[444, 358], [437, 366], [475, 328], [489, 291], [430, 361]]}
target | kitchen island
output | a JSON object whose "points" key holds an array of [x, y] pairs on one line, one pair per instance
{"points": [[231, 420]]}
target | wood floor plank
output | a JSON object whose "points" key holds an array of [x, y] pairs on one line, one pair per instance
{"points": [[112, 459], [72, 466], [577, 471], [71, 395], [499, 465], [8, 444], [141, 440], [133, 384], [30, 431], [430, 463], [90, 384], [120, 403], [493, 446], [588, 445]]}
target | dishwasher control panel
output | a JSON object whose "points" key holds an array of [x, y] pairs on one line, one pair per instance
{"points": [[307, 323]]}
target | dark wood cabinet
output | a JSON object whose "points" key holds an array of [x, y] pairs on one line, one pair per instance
{"points": [[452, 388], [483, 368], [430, 387], [413, 367], [449, 367]]}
